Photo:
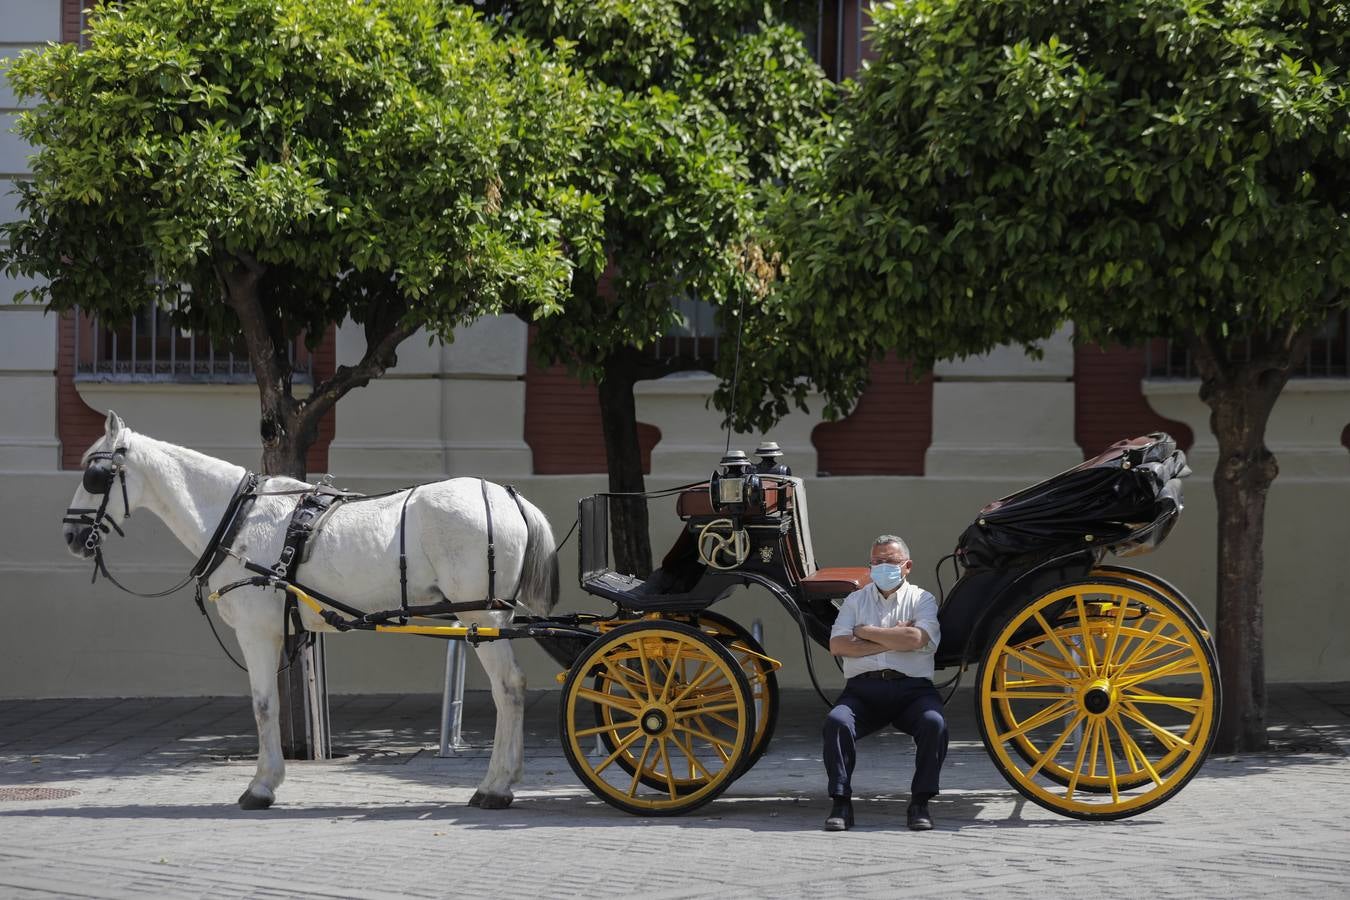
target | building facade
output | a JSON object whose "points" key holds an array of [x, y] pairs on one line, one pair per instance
{"points": [[917, 458]]}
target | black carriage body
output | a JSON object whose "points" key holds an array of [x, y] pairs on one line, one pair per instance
{"points": [[1052, 533]]}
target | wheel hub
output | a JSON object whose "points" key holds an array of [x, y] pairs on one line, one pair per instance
{"points": [[1098, 698], [655, 722]]}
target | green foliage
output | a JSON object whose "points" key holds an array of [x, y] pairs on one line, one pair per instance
{"points": [[698, 104], [364, 157], [1143, 167]]}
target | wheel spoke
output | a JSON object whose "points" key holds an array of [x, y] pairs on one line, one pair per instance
{"points": [[1049, 714], [1148, 642], [618, 750], [1057, 679], [601, 729], [670, 775], [1154, 661], [604, 699], [1055, 638], [1187, 666], [670, 673], [1110, 651], [688, 752], [1169, 739], [646, 666], [1190, 703], [637, 770], [1131, 746], [623, 680], [1089, 734], [688, 688], [1110, 762], [1087, 635], [707, 710], [1054, 664], [1027, 695], [716, 742], [1054, 748]]}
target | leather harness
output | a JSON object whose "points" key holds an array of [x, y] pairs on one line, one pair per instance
{"points": [[311, 511]]}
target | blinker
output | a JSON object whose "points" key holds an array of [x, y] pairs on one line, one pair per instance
{"points": [[98, 477]]}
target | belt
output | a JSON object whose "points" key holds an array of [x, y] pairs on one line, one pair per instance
{"points": [[883, 674]]}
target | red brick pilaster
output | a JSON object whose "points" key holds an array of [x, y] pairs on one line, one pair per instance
{"points": [[889, 431], [1109, 401]]}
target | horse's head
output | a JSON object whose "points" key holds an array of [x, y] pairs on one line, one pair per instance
{"points": [[89, 517]]}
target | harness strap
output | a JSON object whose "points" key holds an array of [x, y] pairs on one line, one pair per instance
{"points": [[310, 511], [403, 553], [515, 495], [227, 529], [491, 547]]}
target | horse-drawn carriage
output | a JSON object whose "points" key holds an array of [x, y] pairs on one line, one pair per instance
{"points": [[1098, 689], [1097, 695]]}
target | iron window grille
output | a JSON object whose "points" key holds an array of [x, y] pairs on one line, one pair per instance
{"points": [[151, 349], [1328, 357]]}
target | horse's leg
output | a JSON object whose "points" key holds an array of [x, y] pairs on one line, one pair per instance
{"points": [[508, 742], [260, 639]]}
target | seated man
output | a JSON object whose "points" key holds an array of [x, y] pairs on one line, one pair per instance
{"points": [[886, 633]]}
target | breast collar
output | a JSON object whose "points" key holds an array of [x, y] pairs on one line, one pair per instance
{"points": [[218, 547]]}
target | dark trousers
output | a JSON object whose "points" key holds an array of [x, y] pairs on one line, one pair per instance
{"points": [[866, 705]]}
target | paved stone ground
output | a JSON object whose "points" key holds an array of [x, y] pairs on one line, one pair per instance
{"points": [[154, 815]]}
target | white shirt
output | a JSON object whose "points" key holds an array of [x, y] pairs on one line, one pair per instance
{"points": [[867, 606]]}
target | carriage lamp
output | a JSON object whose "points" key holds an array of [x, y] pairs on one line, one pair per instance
{"points": [[769, 460], [734, 486]]}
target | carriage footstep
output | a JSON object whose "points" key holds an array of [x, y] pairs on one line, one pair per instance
{"points": [[490, 801]]}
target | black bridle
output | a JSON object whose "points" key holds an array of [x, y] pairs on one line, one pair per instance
{"points": [[104, 467], [108, 466]]}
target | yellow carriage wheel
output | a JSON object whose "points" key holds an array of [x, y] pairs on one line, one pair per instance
{"points": [[682, 720], [1099, 699], [759, 670]]}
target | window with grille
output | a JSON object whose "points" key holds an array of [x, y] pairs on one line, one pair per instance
{"points": [[697, 337], [151, 349], [1328, 357]]}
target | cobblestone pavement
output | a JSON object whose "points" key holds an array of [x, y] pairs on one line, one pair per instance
{"points": [[151, 786]]}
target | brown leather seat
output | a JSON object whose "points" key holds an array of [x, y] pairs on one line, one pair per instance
{"points": [[694, 501], [839, 581]]}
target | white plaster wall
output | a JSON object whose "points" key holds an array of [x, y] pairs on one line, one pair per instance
{"points": [[27, 337], [1004, 414], [444, 410], [64, 637]]}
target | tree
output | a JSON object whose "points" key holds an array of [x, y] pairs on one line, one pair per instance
{"points": [[294, 163], [1145, 168], [698, 104]]}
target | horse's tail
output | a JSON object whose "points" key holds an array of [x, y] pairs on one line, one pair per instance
{"points": [[539, 574]]}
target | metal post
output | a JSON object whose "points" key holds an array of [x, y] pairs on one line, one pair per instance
{"points": [[452, 701], [316, 699]]}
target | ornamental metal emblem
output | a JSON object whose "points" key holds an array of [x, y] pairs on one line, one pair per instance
{"points": [[766, 555]]}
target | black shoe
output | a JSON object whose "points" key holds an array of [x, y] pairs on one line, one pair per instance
{"points": [[841, 815], [919, 818]]}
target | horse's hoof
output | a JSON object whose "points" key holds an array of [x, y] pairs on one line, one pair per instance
{"points": [[484, 800], [250, 800]]}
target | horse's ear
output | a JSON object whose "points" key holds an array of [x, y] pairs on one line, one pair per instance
{"points": [[114, 426]]}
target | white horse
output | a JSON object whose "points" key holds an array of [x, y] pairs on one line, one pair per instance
{"points": [[354, 559]]}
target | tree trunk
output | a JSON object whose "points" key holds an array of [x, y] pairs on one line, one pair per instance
{"points": [[623, 455], [1241, 396]]}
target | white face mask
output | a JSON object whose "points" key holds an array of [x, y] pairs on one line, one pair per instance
{"points": [[887, 576]]}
